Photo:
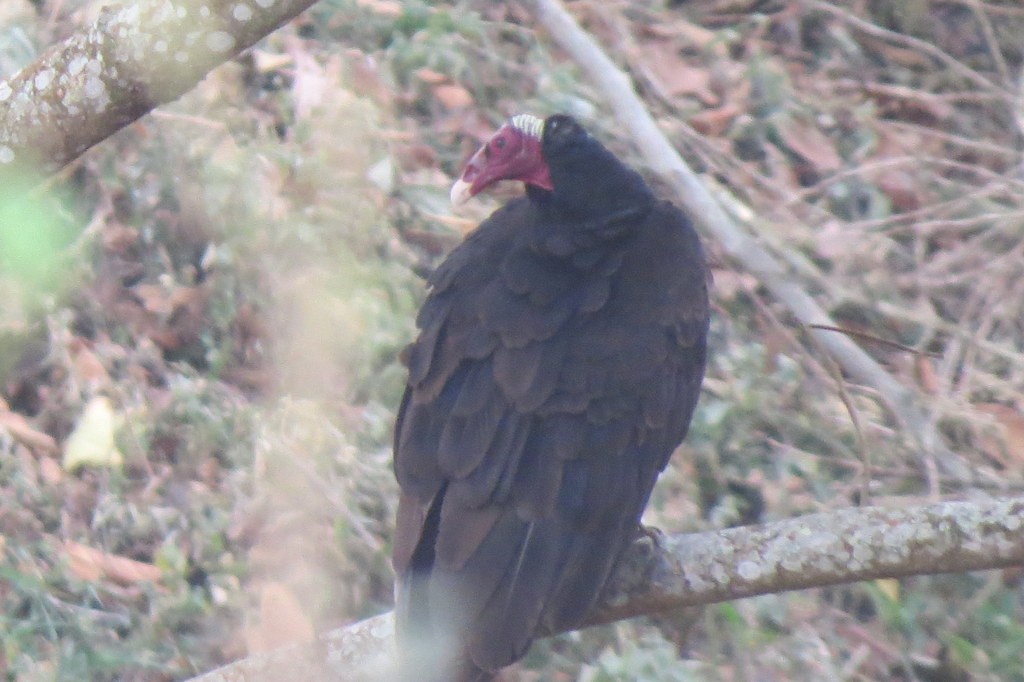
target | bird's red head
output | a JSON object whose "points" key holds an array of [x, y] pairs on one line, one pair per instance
{"points": [[512, 153]]}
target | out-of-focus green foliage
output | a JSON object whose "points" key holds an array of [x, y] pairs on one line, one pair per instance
{"points": [[33, 236]]}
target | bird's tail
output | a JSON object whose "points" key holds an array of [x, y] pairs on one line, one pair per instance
{"points": [[427, 653], [420, 662]]}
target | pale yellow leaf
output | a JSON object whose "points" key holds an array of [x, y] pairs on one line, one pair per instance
{"points": [[91, 443], [890, 587]]}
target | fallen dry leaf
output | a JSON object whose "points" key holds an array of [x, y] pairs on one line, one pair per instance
{"points": [[897, 54], [155, 298], [50, 471], [1010, 450], [806, 141], [714, 122], [415, 155], [92, 565], [452, 96], [265, 62], [692, 35], [171, 317], [365, 78], [119, 238], [88, 368], [673, 76], [186, 296], [908, 104], [899, 186], [430, 77], [20, 430], [924, 371]]}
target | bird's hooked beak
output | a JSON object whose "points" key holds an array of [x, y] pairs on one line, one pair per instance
{"points": [[462, 191], [512, 153], [480, 171]]}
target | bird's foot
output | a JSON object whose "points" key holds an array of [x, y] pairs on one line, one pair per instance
{"points": [[655, 535]]}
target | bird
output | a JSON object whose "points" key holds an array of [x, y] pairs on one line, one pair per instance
{"points": [[558, 360]]}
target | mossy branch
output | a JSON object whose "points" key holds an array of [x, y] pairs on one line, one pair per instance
{"points": [[830, 548], [132, 59]]}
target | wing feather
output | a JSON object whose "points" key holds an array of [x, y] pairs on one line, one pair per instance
{"points": [[553, 376], [481, 486]]}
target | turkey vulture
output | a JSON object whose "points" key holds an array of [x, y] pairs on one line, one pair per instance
{"points": [[559, 359]]}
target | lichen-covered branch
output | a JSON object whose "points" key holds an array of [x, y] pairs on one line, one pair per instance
{"points": [[134, 58], [688, 570], [841, 546]]}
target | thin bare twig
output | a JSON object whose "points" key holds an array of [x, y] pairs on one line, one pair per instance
{"points": [[990, 39], [874, 339], [917, 44]]}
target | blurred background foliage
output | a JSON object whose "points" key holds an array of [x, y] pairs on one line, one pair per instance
{"points": [[202, 319]]}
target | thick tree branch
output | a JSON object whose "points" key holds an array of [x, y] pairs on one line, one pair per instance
{"points": [[830, 548], [131, 60], [709, 216], [703, 568]]}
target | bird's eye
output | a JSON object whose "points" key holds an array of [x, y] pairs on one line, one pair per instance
{"points": [[500, 143]]}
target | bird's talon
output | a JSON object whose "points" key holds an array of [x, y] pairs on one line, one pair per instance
{"points": [[655, 535]]}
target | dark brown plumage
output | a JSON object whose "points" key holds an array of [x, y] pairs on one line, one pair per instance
{"points": [[559, 360]]}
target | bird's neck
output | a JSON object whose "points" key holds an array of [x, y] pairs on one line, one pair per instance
{"points": [[593, 189]]}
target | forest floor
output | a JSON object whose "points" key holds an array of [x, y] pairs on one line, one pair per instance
{"points": [[199, 342]]}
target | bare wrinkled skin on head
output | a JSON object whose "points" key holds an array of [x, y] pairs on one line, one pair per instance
{"points": [[512, 153]]}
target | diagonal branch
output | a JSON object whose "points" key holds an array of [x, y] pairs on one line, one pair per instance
{"points": [[131, 60], [687, 570], [709, 216]]}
